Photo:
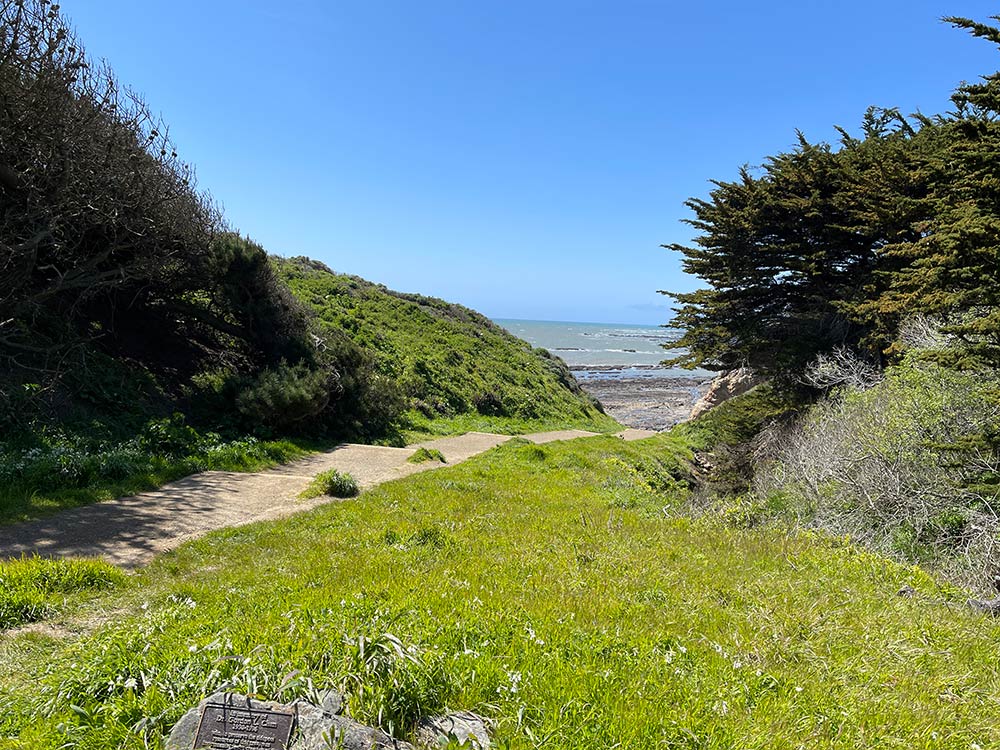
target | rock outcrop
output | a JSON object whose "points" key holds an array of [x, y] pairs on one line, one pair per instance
{"points": [[320, 726], [724, 387]]}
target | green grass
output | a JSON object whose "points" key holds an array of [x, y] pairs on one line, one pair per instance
{"points": [[551, 588], [22, 500], [421, 427], [422, 455], [333, 483], [29, 586]]}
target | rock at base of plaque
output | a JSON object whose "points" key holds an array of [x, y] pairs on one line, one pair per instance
{"points": [[464, 727], [320, 729]]}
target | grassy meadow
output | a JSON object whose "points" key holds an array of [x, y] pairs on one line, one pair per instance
{"points": [[555, 589]]}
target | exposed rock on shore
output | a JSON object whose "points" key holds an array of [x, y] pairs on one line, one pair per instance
{"points": [[649, 403]]}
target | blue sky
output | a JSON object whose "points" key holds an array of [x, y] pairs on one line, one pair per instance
{"points": [[523, 158]]}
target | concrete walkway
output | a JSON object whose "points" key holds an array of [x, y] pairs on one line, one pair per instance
{"points": [[130, 531]]}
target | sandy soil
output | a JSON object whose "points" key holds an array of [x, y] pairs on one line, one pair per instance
{"points": [[130, 531]]}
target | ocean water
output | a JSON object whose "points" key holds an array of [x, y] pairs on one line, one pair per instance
{"points": [[633, 350]]}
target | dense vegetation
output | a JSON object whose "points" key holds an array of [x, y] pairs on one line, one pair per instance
{"points": [[866, 276], [141, 338], [558, 590], [123, 285]]}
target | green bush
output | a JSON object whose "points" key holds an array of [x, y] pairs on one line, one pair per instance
{"points": [[283, 396], [490, 403], [173, 437], [333, 483], [422, 455]]}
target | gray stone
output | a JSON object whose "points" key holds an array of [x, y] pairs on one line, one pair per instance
{"points": [[319, 729], [182, 735], [331, 701], [322, 727], [986, 606], [464, 727]]}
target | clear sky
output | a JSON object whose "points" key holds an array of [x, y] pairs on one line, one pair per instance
{"points": [[523, 157]]}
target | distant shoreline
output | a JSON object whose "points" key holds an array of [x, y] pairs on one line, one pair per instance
{"points": [[638, 372], [594, 323]]}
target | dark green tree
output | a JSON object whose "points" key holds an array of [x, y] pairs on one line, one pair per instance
{"points": [[786, 255], [951, 269]]}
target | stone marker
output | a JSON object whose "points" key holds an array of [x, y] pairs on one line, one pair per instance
{"points": [[228, 721], [235, 725], [313, 727]]}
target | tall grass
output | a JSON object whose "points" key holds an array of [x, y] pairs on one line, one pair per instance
{"points": [[29, 586], [57, 470]]}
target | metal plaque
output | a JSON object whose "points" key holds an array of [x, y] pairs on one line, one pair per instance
{"points": [[234, 727]]}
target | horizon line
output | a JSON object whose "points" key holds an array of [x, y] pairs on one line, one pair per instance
{"points": [[581, 322]]}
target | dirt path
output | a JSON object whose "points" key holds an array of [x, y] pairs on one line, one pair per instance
{"points": [[130, 531]]}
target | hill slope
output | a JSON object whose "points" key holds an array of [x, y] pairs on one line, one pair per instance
{"points": [[457, 369]]}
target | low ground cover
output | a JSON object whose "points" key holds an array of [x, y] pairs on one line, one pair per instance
{"points": [[54, 471], [30, 587], [552, 588]]}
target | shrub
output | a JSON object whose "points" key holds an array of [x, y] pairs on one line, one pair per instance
{"points": [[489, 404], [173, 437], [422, 455], [284, 395], [896, 465], [333, 483]]}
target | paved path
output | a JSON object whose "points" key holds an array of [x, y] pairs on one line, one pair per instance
{"points": [[130, 531]]}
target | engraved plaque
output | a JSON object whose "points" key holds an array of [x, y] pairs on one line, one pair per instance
{"points": [[236, 727]]}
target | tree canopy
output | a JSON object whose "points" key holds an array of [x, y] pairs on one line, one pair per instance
{"points": [[826, 247]]}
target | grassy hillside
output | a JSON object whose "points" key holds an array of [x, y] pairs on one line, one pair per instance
{"points": [[551, 588], [405, 366], [458, 370], [393, 366]]}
